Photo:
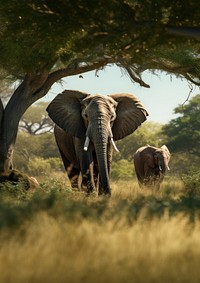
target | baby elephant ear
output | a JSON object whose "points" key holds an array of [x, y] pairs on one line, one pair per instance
{"points": [[65, 111], [164, 147], [130, 114]]}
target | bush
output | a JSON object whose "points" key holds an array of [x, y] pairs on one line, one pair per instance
{"points": [[56, 163], [191, 182], [39, 166], [122, 169]]}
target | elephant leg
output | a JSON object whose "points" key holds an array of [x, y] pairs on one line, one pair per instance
{"points": [[87, 176], [87, 183], [86, 161], [73, 174]]}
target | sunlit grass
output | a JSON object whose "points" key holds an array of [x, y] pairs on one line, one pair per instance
{"points": [[130, 189], [54, 234], [54, 250]]}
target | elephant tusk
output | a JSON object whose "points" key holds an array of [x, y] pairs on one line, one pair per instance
{"points": [[168, 168], [86, 144], [114, 145], [160, 168]]}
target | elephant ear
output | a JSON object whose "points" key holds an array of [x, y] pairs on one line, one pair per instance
{"points": [[130, 114], [65, 111], [164, 147]]}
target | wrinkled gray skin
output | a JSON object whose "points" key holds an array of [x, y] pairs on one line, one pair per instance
{"points": [[85, 127], [151, 165]]}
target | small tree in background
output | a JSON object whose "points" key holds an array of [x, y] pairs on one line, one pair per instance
{"points": [[183, 137], [183, 132], [36, 121]]}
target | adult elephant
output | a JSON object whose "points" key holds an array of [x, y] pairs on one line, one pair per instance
{"points": [[86, 127], [151, 164]]}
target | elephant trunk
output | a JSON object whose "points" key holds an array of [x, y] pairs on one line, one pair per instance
{"points": [[163, 165], [100, 134], [101, 153]]}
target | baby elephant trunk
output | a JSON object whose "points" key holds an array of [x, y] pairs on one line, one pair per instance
{"points": [[162, 164]]}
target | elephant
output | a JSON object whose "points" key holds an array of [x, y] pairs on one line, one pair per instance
{"points": [[151, 164], [86, 126]]}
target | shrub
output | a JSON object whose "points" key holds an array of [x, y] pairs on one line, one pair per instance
{"points": [[38, 166], [56, 163], [122, 169], [191, 182]]}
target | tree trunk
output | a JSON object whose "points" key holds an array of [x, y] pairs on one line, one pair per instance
{"points": [[23, 97]]}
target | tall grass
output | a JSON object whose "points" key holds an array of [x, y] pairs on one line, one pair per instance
{"points": [[57, 235]]}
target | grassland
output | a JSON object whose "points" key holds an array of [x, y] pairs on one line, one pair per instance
{"points": [[53, 234]]}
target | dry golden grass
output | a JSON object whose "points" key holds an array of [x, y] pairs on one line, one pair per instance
{"points": [[50, 248], [130, 189]]}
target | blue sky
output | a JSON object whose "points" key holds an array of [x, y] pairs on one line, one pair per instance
{"points": [[165, 93]]}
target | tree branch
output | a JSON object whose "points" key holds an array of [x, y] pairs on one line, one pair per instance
{"points": [[136, 78], [184, 31], [74, 70]]}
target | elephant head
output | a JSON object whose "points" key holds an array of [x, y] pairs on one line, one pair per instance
{"points": [[98, 121], [161, 158]]}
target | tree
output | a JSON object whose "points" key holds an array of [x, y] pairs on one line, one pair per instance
{"points": [[35, 121], [43, 41], [183, 132]]}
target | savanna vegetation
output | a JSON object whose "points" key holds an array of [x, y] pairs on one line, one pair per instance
{"points": [[55, 234], [50, 233]]}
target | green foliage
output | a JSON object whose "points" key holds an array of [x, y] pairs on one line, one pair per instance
{"points": [[182, 162], [38, 166], [191, 182], [55, 163], [86, 31], [122, 169], [183, 133], [13, 192]]}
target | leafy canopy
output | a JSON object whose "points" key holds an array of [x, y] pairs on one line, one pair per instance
{"points": [[136, 35]]}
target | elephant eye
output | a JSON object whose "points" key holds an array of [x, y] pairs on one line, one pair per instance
{"points": [[84, 113]]}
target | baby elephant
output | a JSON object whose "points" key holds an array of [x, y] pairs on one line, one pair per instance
{"points": [[151, 164]]}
